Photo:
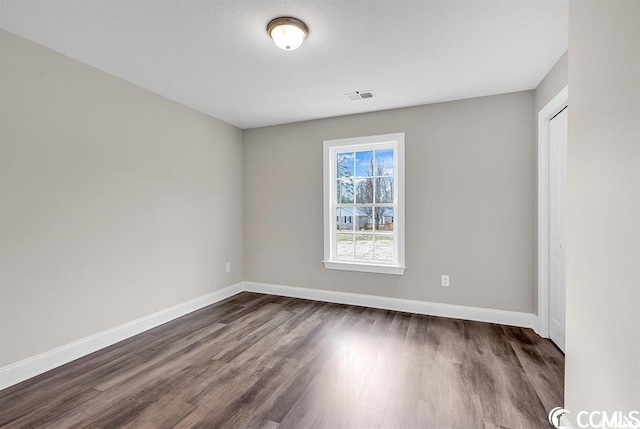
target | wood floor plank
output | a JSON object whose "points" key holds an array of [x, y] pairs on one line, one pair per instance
{"points": [[263, 361], [95, 366], [545, 373], [309, 405], [139, 392]]}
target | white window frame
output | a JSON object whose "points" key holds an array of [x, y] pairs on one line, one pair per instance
{"points": [[331, 149]]}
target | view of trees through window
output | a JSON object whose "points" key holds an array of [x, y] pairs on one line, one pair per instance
{"points": [[365, 205]]}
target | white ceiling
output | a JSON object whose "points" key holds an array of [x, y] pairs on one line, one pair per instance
{"points": [[215, 55]]}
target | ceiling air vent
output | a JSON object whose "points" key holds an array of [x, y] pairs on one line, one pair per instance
{"points": [[360, 95]]}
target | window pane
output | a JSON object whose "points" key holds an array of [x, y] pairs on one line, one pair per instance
{"points": [[384, 218], [384, 247], [364, 218], [345, 191], [384, 190], [364, 191], [345, 164], [344, 247], [344, 218], [364, 247], [364, 164], [384, 162]]}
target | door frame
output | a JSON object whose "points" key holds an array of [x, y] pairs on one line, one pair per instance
{"points": [[553, 107]]}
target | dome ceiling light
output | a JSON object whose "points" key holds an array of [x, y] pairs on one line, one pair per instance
{"points": [[287, 33]]}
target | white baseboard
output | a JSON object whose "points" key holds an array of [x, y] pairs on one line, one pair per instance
{"points": [[512, 318], [539, 328], [30, 367]]}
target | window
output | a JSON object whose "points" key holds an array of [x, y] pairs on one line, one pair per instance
{"points": [[364, 204]]}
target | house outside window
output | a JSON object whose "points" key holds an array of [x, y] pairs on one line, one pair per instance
{"points": [[364, 204]]}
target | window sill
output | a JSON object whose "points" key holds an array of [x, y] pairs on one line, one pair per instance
{"points": [[365, 268]]}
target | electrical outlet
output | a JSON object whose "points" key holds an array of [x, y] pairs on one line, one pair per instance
{"points": [[444, 280], [228, 267]]}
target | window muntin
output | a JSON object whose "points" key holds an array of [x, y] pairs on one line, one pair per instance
{"points": [[364, 204], [364, 200]]}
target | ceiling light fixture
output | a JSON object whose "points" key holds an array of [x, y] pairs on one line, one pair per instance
{"points": [[287, 33]]}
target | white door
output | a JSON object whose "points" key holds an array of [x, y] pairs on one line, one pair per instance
{"points": [[557, 203]]}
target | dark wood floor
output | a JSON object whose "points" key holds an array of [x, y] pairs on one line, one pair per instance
{"points": [[262, 361]]}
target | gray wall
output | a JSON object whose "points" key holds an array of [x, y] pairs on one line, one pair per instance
{"points": [[553, 83], [114, 202], [603, 207], [469, 202]]}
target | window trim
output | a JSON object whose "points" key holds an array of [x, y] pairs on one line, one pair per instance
{"points": [[330, 147]]}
